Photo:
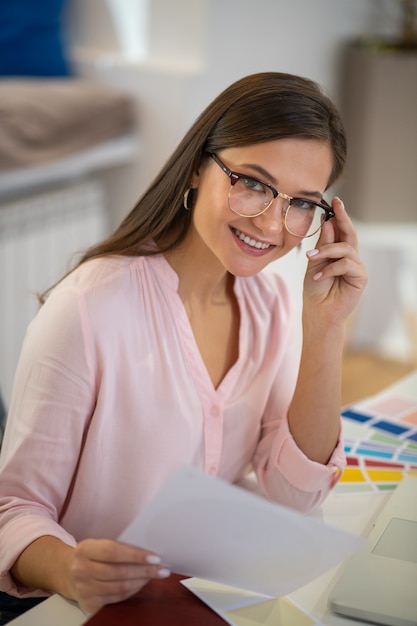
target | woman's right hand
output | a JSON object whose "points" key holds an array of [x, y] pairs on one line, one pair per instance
{"points": [[104, 571]]}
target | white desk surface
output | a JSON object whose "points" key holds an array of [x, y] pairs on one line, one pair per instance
{"points": [[353, 513]]}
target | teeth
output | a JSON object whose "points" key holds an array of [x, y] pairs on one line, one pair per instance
{"points": [[251, 242]]}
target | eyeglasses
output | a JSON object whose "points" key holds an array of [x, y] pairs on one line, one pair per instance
{"points": [[250, 197]]}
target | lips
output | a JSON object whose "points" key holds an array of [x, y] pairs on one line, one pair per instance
{"points": [[253, 243]]}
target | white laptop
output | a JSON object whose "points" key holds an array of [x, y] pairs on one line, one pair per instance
{"points": [[379, 583]]}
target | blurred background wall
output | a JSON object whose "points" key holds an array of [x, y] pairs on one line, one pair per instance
{"points": [[177, 56]]}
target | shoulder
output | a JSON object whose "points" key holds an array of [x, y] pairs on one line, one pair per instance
{"points": [[112, 277], [96, 273], [103, 290]]}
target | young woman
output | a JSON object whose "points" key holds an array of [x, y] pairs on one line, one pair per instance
{"points": [[167, 345]]}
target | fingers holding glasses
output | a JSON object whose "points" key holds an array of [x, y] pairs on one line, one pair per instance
{"points": [[340, 227], [338, 238], [335, 273]]}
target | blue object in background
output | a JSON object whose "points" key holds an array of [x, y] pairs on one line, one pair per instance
{"points": [[31, 42]]}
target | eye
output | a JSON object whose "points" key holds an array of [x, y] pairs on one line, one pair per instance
{"points": [[252, 184], [305, 205]]}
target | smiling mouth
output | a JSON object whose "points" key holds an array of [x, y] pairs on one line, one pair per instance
{"points": [[259, 245]]}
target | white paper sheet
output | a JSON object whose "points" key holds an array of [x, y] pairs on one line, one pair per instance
{"points": [[205, 527]]}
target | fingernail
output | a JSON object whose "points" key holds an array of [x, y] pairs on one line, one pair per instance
{"points": [[312, 252], [318, 275], [163, 572], [341, 201], [153, 559]]}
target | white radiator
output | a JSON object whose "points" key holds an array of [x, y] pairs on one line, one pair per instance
{"points": [[41, 237]]}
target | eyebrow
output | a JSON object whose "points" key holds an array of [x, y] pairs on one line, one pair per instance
{"points": [[268, 177]]}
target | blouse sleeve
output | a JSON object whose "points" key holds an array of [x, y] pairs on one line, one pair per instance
{"points": [[52, 401], [287, 476]]}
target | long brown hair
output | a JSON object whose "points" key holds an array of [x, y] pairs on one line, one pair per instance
{"points": [[258, 108]]}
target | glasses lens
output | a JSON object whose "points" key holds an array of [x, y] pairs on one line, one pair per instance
{"points": [[304, 218], [249, 197]]}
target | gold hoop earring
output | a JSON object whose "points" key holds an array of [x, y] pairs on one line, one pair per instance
{"points": [[187, 193]]}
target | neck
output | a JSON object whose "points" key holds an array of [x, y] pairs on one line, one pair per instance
{"points": [[201, 276]]}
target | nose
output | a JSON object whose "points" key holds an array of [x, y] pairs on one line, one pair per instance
{"points": [[272, 220]]}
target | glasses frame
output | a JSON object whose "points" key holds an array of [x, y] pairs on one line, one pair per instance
{"points": [[235, 176]]}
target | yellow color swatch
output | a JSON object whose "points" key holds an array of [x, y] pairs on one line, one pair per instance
{"points": [[352, 475], [386, 476]]}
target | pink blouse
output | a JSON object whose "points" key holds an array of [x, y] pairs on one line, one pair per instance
{"points": [[111, 395]]}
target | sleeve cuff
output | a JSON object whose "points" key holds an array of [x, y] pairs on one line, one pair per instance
{"points": [[299, 470], [22, 532]]}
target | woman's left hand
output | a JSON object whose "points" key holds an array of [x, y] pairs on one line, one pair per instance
{"points": [[336, 276]]}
